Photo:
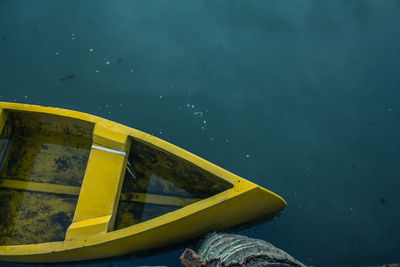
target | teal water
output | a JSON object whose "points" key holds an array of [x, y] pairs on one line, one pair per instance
{"points": [[301, 97]]}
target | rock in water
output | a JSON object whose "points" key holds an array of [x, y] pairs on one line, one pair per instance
{"points": [[237, 250]]}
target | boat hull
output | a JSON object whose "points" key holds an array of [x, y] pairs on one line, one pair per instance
{"points": [[92, 235]]}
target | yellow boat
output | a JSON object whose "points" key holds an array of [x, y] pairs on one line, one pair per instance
{"points": [[75, 187]]}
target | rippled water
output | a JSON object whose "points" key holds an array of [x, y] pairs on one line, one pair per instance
{"points": [[301, 97]]}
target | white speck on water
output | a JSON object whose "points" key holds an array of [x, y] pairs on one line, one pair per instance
{"points": [[247, 156], [120, 105], [204, 122], [172, 87], [109, 112], [226, 140], [91, 50], [202, 127], [72, 35], [198, 114], [73, 38], [160, 96], [97, 71], [389, 109], [26, 97], [57, 53], [131, 70], [207, 110], [188, 105], [106, 106], [107, 62], [192, 106], [211, 139], [160, 132]]}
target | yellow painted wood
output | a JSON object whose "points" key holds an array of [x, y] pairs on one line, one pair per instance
{"points": [[39, 187], [159, 199], [91, 236], [99, 193], [74, 190], [88, 227], [105, 135]]}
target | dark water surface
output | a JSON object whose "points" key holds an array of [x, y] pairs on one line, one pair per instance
{"points": [[301, 97]]}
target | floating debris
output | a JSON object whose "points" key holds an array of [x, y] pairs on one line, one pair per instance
{"points": [[161, 96], [97, 71], [91, 50], [221, 249], [68, 77], [107, 62]]}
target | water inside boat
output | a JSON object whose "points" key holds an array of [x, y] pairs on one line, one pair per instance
{"points": [[43, 159], [160, 183], [39, 160]]}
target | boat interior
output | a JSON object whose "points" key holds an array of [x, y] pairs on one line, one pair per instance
{"points": [[43, 160]]}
